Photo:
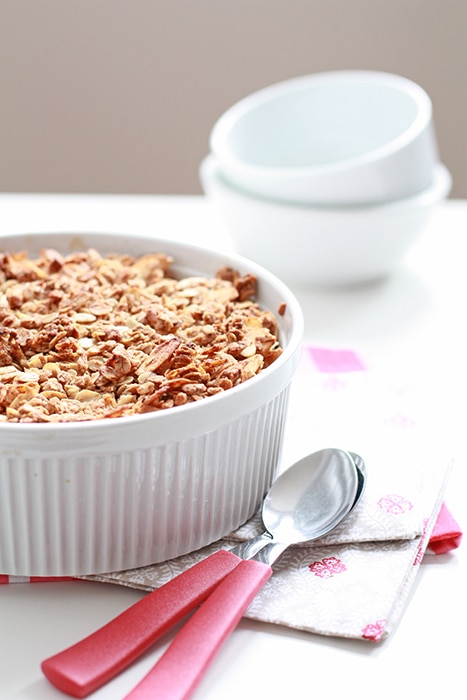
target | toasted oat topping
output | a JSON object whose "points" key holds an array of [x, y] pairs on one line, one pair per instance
{"points": [[86, 336]]}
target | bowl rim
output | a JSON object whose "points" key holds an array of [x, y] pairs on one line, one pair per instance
{"points": [[218, 138], [241, 391], [439, 188]]}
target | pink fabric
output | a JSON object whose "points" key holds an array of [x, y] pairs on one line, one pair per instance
{"points": [[329, 360], [4, 578], [447, 534]]}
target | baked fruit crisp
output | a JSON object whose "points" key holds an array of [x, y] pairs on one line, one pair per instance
{"points": [[86, 336]]}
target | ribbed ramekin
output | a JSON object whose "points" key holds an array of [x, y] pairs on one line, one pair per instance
{"points": [[106, 495]]}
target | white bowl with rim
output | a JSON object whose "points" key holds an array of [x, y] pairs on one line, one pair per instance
{"points": [[313, 246], [331, 138], [112, 494]]}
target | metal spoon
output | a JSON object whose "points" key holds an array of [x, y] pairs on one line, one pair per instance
{"points": [[304, 503], [315, 461], [361, 474]]}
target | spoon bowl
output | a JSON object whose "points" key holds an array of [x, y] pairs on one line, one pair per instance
{"points": [[329, 482], [361, 475], [312, 497]]}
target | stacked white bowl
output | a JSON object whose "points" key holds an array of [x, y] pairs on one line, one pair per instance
{"points": [[327, 179]]}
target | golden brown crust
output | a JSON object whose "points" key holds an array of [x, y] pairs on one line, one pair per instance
{"points": [[86, 336]]}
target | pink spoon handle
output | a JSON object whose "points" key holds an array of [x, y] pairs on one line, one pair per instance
{"points": [[85, 666], [181, 667]]}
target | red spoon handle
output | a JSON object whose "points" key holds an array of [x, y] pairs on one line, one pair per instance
{"points": [[88, 664], [181, 667]]}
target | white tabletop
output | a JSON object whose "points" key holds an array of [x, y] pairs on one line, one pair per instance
{"points": [[417, 318]]}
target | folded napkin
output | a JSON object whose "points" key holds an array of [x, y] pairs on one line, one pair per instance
{"points": [[355, 581]]}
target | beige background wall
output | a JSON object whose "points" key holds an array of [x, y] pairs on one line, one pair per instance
{"points": [[120, 95]]}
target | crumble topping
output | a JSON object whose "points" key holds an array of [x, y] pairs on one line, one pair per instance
{"points": [[86, 336]]}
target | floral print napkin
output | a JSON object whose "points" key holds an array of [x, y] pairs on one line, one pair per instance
{"points": [[355, 581]]}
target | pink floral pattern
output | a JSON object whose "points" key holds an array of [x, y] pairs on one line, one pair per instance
{"points": [[395, 504], [332, 382], [327, 567], [374, 631], [400, 421]]}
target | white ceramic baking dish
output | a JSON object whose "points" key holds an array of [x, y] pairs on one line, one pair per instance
{"points": [[106, 495]]}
